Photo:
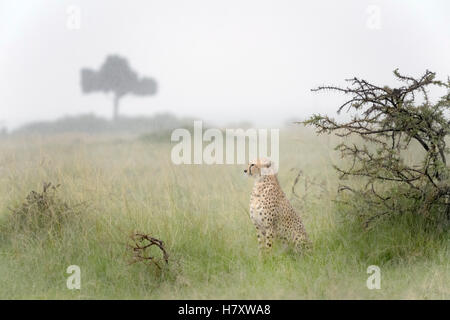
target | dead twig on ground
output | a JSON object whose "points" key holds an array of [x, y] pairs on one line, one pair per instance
{"points": [[142, 242]]}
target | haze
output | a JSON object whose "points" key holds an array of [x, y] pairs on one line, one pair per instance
{"points": [[221, 61]]}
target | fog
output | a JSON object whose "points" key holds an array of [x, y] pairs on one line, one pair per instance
{"points": [[221, 61]]}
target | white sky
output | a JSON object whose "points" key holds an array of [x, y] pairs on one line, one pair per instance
{"points": [[222, 61]]}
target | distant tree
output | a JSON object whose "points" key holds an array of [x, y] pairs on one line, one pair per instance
{"points": [[3, 130], [388, 120], [116, 76]]}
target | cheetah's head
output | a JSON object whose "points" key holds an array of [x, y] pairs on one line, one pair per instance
{"points": [[258, 167]]}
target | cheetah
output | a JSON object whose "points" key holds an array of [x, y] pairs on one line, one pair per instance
{"points": [[270, 210]]}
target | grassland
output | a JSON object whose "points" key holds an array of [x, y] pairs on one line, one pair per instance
{"points": [[121, 185]]}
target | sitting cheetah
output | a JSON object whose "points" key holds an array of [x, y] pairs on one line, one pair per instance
{"points": [[270, 210]]}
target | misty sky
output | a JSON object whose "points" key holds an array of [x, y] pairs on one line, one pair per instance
{"points": [[222, 61]]}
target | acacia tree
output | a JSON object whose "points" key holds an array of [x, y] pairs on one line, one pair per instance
{"points": [[116, 76], [388, 121]]}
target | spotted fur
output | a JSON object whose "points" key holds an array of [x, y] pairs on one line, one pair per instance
{"points": [[270, 210]]}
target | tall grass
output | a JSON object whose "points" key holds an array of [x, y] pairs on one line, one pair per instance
{"points": [[201, 213]]}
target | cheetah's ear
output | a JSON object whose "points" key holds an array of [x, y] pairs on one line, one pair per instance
{"points": [[266, 163]]}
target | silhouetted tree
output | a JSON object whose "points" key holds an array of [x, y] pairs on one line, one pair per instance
{"points": [[116, 76], [3, 130]]}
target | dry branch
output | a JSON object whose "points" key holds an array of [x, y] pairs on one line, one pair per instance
{"points": [[141, 244]]}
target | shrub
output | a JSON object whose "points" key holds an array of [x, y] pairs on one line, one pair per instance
{"points": [[40, 215], [388, 121]]}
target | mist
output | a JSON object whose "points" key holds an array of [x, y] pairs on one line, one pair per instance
{"points": [[222, 61]]}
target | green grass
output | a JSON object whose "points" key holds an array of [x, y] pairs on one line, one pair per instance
{"points": [[201, 213]]}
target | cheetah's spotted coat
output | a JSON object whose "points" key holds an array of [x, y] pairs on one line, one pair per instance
{"points": [[270, 210]]}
